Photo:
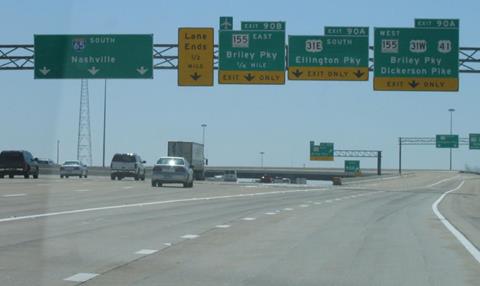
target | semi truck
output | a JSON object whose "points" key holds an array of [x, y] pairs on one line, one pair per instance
{"points": [[192, 152]]}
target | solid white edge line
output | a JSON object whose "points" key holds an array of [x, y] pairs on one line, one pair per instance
{"points": [[458, 235], [16, 218], [443, 181]]}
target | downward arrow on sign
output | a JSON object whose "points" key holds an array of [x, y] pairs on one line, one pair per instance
{"points": [[93, 70], [195, 76], [413, 84], [358, 74], [142, 70], [249, 77], [44, 70], [297, 73]]}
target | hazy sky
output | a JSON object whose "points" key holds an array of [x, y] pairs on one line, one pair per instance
{"points": [[242, 120]]}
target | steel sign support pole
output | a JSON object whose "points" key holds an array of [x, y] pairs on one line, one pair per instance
{"points": [[104, 121], [400, 155], [379, 163]]}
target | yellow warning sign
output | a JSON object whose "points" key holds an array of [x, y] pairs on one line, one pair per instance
{"points": [[328, 73], [195, 56], [416, 84], [251, 77]]}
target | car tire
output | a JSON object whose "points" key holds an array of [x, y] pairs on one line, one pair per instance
{"points": [[35, 176], [86, 176], [2, 176], [66, 177], [61, 176], [10, 176], [119, 178], [112, 178], [136, 178], [154, 184], [26, 176], [143, 177]]}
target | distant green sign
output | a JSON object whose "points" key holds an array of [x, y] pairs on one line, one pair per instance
{"points": [[252, 57], [416, 59], [447, 141], [474, 141], [322, 152], [93, 56], [352, 166]]}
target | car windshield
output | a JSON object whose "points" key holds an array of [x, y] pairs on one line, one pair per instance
{"points": [[123, 158], [71, 163], [171, 161]]}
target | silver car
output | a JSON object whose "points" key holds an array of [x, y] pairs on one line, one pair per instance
{"points": [[73, 168], [172, 170]]}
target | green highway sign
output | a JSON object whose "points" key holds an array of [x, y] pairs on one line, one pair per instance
{"points": [[438, 23], [352, 166], [93, 56], [226, 23], [332, 57], [446, 141], [346, 31], [263, 26], [474, 141], [416, 59], [322, 152], [251, 57]]}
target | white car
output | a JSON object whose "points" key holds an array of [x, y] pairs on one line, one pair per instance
{"points": [[172, 170], [73, 168], [230, 176]]}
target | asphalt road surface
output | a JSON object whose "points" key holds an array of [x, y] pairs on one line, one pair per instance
{"points": [[378, 232]]}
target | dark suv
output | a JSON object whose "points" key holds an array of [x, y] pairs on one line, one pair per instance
{"points": [[18, 163]]}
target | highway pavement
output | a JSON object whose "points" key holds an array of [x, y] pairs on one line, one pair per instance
{"points": [[395, 231]]}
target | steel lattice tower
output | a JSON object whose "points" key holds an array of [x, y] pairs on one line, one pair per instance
{"points": [[84, 147]]}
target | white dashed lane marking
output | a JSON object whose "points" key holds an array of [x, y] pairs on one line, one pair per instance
{"points": [[288, 209], [146, 251], [13, 195], [270, 213], [81, 277], [249, 218], [222, 226], [190, 236], [82, 191]]}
